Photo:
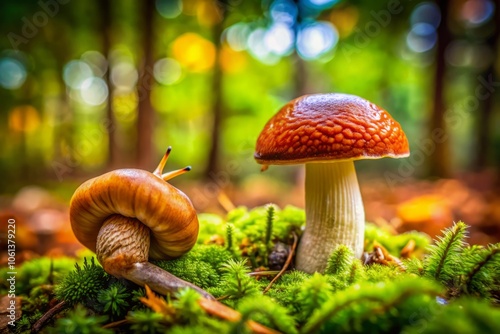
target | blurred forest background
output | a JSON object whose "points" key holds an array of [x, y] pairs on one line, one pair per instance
{"points": [[90, 86]]}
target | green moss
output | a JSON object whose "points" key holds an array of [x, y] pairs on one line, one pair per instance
{"points": [[395, 243], [197, 272], [236, 283], [79, 320], [460, 316], [37, 272], [340, 261], [448, 286], [263, 310], [146, 321], [113, 300], [83, 284]]}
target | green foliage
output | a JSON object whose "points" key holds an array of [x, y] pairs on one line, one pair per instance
{"points": [[263, 310], [314, 292], [355, 308], [285, 290], [414, 266], [201, 266], [146, 321], [83, 284], [25, 323], [460, 316], [113, 300], [481, 267], [190, 317], [210, 225], [253, 233], [340, 260], [214, 255], [189, 269], [395, 243], [78, 321], [269, 224], [348, 297], [137, 294], [443, 262], [356, 273], [187, 308], [379, 273], [37, 272], [236, 283], [229, 236]]}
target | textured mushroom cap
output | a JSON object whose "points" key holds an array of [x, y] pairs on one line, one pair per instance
{"points": [[324, 127], [138, 194]]}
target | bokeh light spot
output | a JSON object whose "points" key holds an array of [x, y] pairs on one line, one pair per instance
{"points": [[421, 38], [24, 118], [194, 52], [237, 35], [12, 73], [477, 12], [124, 75], [167, 71], [426, 12], [284, 11], [232, 61], [96, 61], [258, 48], [345, 20], [75, 73], [320, 4], [316, 39], [279, 39], [94, 91], [169, 9]]}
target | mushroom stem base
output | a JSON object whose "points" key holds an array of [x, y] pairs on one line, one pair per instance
{"points": [[334, 214]]}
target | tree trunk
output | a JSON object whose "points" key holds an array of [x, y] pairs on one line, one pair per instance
{"points": [[486, 107], [217, 106], [106, 28], [301, 77], [145, 113], [440, 158]]}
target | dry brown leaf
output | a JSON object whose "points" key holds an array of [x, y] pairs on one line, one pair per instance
{"points": [[157, 304]]}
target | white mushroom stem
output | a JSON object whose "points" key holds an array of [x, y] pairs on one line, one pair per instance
{"points": [[334, 214]]}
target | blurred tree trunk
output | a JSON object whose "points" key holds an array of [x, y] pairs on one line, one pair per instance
{"points": [[217, 101], [486, 107], [145, 112], [106, 28], [440, 158], [301, 77]]}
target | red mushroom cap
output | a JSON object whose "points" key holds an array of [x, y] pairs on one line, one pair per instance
{"points": [[324, 127]]}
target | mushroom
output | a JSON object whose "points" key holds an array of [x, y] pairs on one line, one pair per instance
{"points": [[128, 216], [327, 132]]}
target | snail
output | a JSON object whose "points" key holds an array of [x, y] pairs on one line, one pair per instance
{"points": [[128, 216]]}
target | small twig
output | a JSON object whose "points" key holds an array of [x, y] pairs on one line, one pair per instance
{"points": [[225, 202], [116, 323], [48, 316], [222, 298], [264, 273], [287, 263]]}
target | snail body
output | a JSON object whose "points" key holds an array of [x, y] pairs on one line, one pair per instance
{"points": [[129, 216]]}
